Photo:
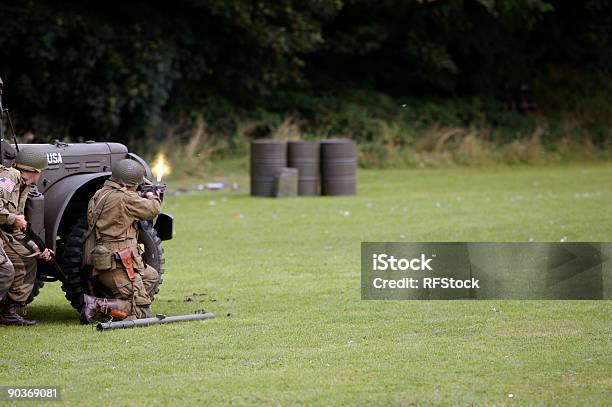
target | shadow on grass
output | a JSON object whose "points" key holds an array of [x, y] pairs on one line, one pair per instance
{"points": [[53, 313]]}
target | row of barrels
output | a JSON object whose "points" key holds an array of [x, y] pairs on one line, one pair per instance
{"points": [[325, 167]]}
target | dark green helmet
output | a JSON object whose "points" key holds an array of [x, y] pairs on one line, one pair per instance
{"points": [[129, 172], [32, 160]]}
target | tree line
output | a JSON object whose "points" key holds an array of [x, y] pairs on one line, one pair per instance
{"points": [[124, 70]]}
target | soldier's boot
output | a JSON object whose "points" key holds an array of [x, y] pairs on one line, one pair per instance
{"points": [[9, 315], [105, 306]]}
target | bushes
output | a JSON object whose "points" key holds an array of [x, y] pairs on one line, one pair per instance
{"points": [[389, 132]]}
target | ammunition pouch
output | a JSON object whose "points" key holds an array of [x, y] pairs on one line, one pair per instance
{"points": [[101, 258]]}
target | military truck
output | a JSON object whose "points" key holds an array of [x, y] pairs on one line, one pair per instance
{"points": [[56, 209]]}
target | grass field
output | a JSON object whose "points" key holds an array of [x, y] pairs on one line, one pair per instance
{"points": [[282, 277]]}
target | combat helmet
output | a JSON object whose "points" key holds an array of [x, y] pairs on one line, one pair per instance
{"points": [[129, 172], [29, 159]]}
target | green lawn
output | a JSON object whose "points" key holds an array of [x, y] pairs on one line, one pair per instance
{"points": [[283, 278]]}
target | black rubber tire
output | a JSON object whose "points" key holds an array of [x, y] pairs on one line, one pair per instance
{"points": [[154, 252], [76, 283]]}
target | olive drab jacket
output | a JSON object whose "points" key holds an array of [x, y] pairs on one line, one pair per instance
{"points": [[116, 226], [13, 195]]}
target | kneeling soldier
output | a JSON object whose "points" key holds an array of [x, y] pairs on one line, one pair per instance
{"points": [[113, 213]]}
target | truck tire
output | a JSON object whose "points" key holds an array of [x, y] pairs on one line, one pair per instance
{"points": [[77, 279], [154, 252]]}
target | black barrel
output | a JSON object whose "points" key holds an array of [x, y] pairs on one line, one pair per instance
{"points": [[268, 158], [304, 155], [338, 167]]}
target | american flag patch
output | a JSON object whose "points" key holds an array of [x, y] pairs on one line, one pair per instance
{"points": [[7, 184]]}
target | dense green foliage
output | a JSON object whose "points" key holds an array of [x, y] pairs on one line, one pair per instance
{"points": [[129, 70]]}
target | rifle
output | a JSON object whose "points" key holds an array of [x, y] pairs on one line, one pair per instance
{"points": [[149, 186], [159, 319], [29, 232]]}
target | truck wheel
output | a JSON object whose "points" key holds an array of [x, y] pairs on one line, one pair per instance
{"points": [[154, 252], [77, 279]]}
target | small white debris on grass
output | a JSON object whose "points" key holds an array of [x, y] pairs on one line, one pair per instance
{"points": [[215, 186], [585, 195], [510, 395], [563, 239], [438, 205], [212, 203]]}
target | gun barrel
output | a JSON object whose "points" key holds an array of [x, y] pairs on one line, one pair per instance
{"points": [[103, 326]]}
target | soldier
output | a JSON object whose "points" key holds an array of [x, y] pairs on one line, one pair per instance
{"points": [[21, 253], [113, 213]]}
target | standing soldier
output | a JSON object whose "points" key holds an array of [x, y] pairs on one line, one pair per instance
{"points": [[113, 214], [21, 252]]}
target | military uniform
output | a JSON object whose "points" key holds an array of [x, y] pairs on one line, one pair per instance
{"points": [[19, 253], [116, 229]]}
